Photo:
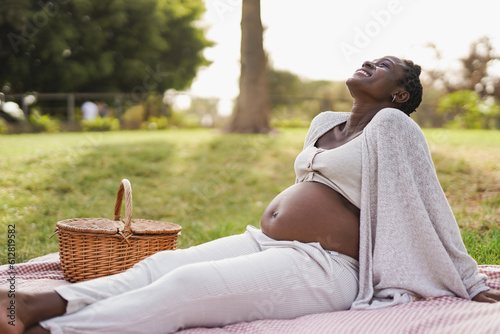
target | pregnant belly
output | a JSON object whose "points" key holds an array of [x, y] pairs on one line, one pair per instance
{"points": [[313, 212]]}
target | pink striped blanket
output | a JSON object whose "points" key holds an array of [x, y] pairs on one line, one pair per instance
{"points": [[439, 315]]}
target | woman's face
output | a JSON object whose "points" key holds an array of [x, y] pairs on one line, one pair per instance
{"points": [[377, 79]]}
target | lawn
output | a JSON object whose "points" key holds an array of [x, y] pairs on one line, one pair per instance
{"points": [[211, 184]]}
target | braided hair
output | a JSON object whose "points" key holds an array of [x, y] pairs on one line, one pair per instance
{"points": [[411, 83]]}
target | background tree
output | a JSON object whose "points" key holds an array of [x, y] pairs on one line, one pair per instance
{"points": [[465, 109], [100, 45], [300, 98], [252, 108], [285, 90], [473, 75], [475, 68], [471, 93]]}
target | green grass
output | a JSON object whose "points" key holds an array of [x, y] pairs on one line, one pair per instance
{"points": [[468, 166], [211, 184]]}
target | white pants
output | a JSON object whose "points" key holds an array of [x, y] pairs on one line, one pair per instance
{"points": [[238, 278]]}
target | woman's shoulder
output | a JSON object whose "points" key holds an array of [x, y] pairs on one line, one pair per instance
{"points": [[323, 122], [395, 129], [391, 118]]}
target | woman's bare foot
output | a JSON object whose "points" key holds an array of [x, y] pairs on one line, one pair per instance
{"points": [[20, 311], [10, 322]]}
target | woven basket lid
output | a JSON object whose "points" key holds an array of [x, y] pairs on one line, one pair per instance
{"points": [[146, 226], [91, 225]]}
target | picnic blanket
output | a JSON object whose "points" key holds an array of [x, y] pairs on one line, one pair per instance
{"points": [[438, 315]]}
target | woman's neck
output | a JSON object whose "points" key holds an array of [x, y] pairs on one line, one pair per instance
{"points": [[361, 115]]}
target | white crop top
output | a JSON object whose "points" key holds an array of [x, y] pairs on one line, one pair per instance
{"points": [[339, 168]]}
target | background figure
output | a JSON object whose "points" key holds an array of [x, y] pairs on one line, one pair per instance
{"points": [[103, 109], [90, 110]]}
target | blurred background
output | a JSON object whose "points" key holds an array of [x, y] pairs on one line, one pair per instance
{"points": [[73, 65]]}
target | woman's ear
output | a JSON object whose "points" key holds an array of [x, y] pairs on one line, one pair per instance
{"points": [[401, 96]]}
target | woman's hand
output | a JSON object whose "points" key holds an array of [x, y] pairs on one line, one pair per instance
{"points": [[490, 296]]}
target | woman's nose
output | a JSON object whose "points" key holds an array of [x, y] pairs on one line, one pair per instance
{"points": [[368, 64]]}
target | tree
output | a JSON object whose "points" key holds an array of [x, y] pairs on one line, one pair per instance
{"points": [[252, 109], [465, 109], [283, 84], [100, 45], [296, 97], [474, 74], [475, 67]]}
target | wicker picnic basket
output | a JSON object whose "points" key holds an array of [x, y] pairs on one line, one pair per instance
{"points": [[95, 247]]}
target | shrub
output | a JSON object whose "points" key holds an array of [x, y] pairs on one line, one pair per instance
{"points": [[156, 123], [43, 123], [101, 124], [3, 127], [467, 110], [182, 120], [133, 117]]}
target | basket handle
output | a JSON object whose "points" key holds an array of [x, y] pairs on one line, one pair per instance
{"points": [[125, 188]]}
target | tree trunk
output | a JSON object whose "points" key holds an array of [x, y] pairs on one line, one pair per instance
{"points": [[252, 109]]}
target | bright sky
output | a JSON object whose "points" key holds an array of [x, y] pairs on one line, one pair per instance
{"points": [[329, 39]]}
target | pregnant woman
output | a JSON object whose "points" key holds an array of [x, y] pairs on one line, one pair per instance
{"points": [[365, 225]]}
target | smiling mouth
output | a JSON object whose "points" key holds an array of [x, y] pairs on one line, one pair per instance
{"points": [[363, 72]]}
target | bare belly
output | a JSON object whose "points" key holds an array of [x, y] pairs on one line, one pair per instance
{"points": [[313, 212]]}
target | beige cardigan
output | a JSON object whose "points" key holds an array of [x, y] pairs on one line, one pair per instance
{"points": [[410, 244]]}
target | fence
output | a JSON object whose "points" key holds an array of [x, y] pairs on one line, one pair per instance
{"points": [[64, 106], [71, 99]]}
